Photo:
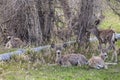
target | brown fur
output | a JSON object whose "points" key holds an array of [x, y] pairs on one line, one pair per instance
{"points": [[14, 43], [72, 59], [104, 37], [98, 61], [68, 59]]}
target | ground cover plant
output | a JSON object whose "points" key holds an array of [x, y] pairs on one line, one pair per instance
{"points": [[41, 65]]}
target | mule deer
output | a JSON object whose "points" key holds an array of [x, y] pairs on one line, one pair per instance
{"points": [[13, 42], [104, 37], [69, 59], [98, 61]]}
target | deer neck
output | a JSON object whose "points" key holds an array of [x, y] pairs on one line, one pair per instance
{"points": [[97, 34], [102, 57], [59, 60], [12, 40], [58, 57]]}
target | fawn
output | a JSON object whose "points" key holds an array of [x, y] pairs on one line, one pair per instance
{"points": [[13, 42], [98, 61], [105, 37], [68, 59]]}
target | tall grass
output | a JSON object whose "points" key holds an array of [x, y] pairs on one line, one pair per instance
{"points": [[37, 66]]}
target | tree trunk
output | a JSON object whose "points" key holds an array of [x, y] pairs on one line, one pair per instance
{"points": [[30, 20], [66, 9], [46, 18], [87, 18], [115, 6]]}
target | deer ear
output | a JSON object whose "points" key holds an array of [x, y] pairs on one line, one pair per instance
{"points": [[52, 45], [64, 45], [97, 22]]}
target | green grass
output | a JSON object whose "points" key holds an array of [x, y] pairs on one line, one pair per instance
{"points": [[111, 20], [22, 72], [3, 50], [18, 70]]}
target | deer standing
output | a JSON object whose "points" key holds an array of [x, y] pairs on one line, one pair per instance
{"points": [[105, 37]]}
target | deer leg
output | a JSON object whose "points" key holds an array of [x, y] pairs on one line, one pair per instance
{"points": [[8, 45], [66, 64], [79, 64], [106, 46], [100, 46], [114, 55], [115, 52], [111, 45], [106, 66], [112, 59]]}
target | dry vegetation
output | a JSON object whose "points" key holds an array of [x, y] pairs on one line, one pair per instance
{"points": [[42, 22]]}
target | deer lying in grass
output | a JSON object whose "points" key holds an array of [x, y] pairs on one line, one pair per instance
{"points": [[13, 42], [104, 37], [98, 62], [69, 59]]}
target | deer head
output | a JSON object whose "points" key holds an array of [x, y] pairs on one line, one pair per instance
{"points": [[58, 49], [98, 18], [103, 54]]}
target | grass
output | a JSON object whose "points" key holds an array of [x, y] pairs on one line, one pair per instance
{"points": [[3, 50], [111, 20], [19, 69], [22, 70], [45, 72]]}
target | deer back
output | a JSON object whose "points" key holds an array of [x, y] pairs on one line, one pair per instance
{"points": [[106, 35], [14, 43], [96, 62], [75, 59]]}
